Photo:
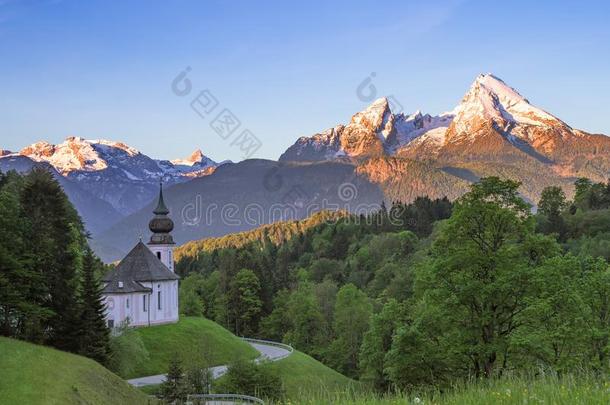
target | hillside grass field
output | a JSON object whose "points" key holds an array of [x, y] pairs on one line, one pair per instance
{"points": [[506, 391], [304, 375], [32, 374], [301, 375], [191, 336]]}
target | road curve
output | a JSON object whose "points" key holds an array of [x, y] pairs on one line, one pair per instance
{"points": [[269, 351]]}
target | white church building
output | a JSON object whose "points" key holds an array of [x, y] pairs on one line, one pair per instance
{"points": [[143, 287]]}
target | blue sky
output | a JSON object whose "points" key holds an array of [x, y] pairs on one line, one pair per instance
{"points": [[98, 69]]}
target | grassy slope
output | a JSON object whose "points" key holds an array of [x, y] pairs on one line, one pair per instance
{"points": [[303, 374], [186, 338], [31, 374], [507, 391]]}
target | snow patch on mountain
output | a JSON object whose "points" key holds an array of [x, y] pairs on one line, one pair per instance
{"points": [[412, 127]]}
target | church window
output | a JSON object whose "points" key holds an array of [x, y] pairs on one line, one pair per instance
{"points": [[158, 299], [159, 255], [127, 303], [144, 302], [110, 323]]}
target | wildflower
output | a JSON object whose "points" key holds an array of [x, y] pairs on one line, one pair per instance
{"points": [[417, 400]]}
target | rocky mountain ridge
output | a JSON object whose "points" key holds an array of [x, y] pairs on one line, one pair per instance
{"points": [[494, 130], [113, 171], [490, 117]]}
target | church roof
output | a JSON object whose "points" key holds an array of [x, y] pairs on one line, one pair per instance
{"points": [[128, 286], [139, 265]]}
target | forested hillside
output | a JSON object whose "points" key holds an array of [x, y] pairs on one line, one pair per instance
{"points": [[428, 293], [277, 233], [49, 291]]}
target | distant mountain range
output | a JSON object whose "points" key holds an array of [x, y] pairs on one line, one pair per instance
{"points": [[493, 131], [110, 172], [492, 119], [387, 156]]}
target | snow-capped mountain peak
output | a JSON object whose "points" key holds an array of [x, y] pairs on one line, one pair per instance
{"points": [[491, 112], [375, 115], [195, 158], [490, 99], [371, 132], [73, 154], [111, 170], [77, 154]]}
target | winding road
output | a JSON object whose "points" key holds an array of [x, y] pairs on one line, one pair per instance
{"points": [[268, 351]]}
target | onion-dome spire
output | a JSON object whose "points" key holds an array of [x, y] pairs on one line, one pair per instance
{"points": [[161, 207], [161, 225]]}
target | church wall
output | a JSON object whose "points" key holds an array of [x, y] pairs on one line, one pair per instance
{"points": [[169, 301], [117, 310]]}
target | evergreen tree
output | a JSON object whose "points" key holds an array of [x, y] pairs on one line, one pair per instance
{"points": [[22, 313], [173, 388], [94, 335], [55, 241]]}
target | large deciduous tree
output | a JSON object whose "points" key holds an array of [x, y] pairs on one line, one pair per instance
{"points": [[244, 302], [377, 341], [479, 278], [351, 320]]}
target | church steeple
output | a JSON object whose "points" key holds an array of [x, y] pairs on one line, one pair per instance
{"points": [[161, 242], [161, 208], [161, 225]]}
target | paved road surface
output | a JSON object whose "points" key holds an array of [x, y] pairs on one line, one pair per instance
{"points": [[267, 352]]}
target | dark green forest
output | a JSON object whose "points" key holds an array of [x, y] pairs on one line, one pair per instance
{"points": [[427, 293], [49, 288]]}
